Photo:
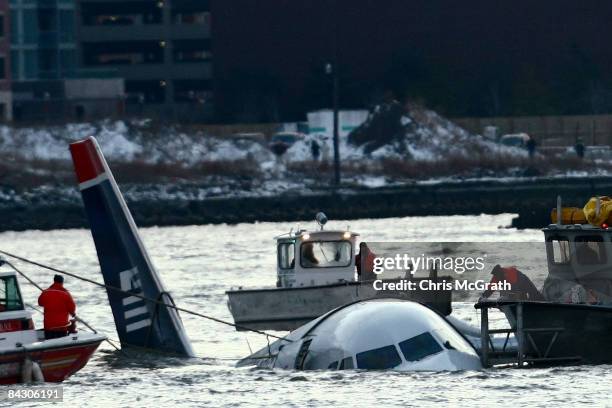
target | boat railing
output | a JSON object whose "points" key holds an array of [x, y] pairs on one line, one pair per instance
{"points": [[522, 356]]}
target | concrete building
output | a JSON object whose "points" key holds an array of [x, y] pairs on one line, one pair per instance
{"points": [[160, 47], [6, 103], [47, 81]]}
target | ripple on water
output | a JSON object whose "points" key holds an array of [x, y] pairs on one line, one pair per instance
{"points": [[198, 263]]}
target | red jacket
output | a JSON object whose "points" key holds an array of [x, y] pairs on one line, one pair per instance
{"points": [[58, 306]]}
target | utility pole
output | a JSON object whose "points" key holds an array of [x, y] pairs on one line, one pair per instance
{"points": [[335, 73]]}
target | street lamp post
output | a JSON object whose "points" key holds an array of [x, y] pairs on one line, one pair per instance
{"points": [[335, 79]]}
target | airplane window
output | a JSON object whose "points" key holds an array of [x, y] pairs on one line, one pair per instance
{"points": [[590, 250], [301, 355], [419, 347], [379, 359], [346, 364], [326, 254]]}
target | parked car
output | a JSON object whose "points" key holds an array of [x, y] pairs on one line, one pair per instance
{"points": [[515, 139], [250, 136]]}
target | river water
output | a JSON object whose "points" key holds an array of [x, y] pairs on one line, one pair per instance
{"points": [[198, 263]]}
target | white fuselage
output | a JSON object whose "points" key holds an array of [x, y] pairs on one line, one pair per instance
{"points": [[373, 334]]}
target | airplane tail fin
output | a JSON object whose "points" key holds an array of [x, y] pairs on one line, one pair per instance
{"points": [[123, 259]]}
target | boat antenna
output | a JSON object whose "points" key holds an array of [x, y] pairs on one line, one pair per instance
{"points": [[559, 219]]}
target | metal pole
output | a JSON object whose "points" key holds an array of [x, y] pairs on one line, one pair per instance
{"points": [[484, 335], [519, 333], [335, 74]]}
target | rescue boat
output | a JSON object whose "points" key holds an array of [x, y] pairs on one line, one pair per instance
{"points": [[307, 288], [25, 355], [572, 323]]}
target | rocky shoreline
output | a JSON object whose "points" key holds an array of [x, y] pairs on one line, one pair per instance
{"points": [[531, 199]]}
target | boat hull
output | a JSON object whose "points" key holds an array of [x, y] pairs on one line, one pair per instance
{"points": [[290, 308], [585, 332], [58, 360]]}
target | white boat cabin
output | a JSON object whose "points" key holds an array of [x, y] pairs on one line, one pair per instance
{"points": [[316, 258], [16, 324]]}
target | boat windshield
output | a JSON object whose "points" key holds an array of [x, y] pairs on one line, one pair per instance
{"points": [[10, 298], [590, 250], [326, 254]]}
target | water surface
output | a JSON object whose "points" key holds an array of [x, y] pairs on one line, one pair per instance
{"points": [[199, 263]]}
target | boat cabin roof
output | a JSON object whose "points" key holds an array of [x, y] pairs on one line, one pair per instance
{"points": [[5, 274], [324, 235], [576, 227]]}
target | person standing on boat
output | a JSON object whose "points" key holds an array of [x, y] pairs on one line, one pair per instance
{"points": [[364, 262], [522, 287], [308, 256], [59, 306]]}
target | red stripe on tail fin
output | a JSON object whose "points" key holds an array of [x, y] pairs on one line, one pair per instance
{"points": [[87, 163]]}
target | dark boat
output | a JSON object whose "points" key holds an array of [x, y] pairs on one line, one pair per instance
{"points": [[572, 323]]}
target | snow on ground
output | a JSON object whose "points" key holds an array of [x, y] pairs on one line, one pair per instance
{"points": [[128, 141], [430, 138], [424, 137]]}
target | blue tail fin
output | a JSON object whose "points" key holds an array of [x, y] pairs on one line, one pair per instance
{"points": [[124, 260]]}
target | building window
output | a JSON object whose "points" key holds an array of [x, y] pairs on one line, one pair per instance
{"points": [[192, 51], [46, 20], [121, 13], [30, 64], [2, 33], [123, 53], [2, 67], [15, 74], [191, 17], [144, 92], [66, 26], [68, 62], [192, 91], [30, 20]]}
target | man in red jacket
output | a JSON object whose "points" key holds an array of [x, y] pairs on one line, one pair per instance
{"points": [[522, 287], [59, 306]]}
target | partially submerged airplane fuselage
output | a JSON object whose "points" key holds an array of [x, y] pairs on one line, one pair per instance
{"points": [[372, 334]]}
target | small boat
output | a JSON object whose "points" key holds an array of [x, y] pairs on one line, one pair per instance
{"points": [[24, 352], [317, 272], [572, 322]]}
